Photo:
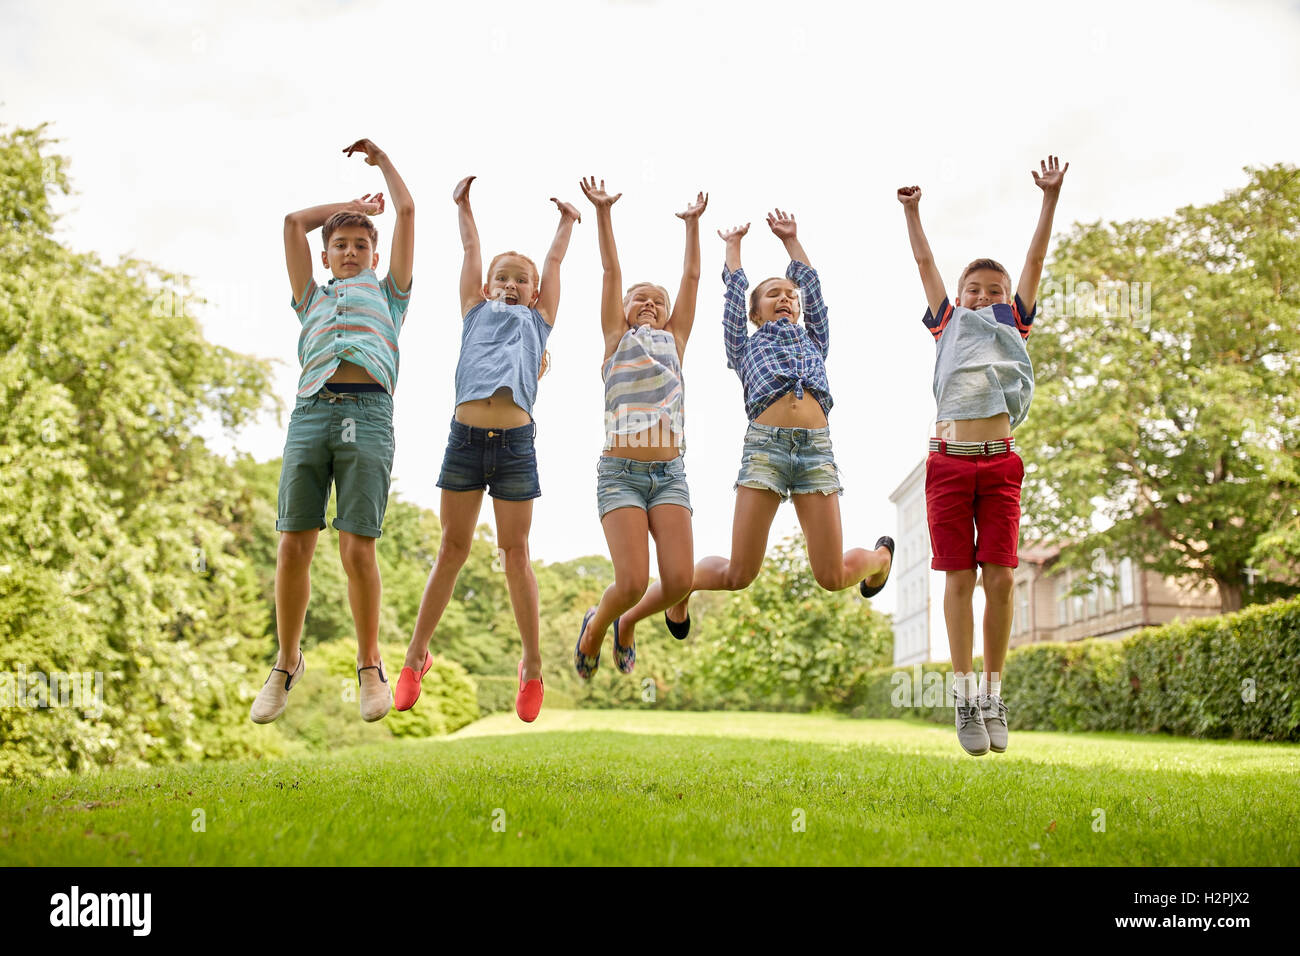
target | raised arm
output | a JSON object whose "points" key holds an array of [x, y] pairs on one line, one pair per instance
{"points": [[471, 267], [683, 317], [612, 320], [297, 251], [910, 197], [1050, 183], [402, 256], [735, 317], [548, 299], [801, 272], [784, 228]]}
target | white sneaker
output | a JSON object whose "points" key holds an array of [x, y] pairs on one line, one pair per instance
{"points": [[376, 695], [274, 695]]}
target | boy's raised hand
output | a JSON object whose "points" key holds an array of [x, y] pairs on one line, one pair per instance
{"points": [[567, 210], [461, 193], [736, 232], [368, 205], [694, 210], [782, 225], [372, 152], [1052, 174], [909, 195], [599, 198]]}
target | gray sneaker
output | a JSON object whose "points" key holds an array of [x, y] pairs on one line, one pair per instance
{"points": [[971, 733], [994, 712]]}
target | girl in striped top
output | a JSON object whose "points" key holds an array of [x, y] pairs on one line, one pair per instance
{"points": [[640, 479]]}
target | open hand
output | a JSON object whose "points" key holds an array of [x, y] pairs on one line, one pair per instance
{"points": [[599, 198], [567, 210], [373, 153], [461, 193], [1053, 175], [368, 205], [909, 195], [782, 225], [694, 209], [736, 232]]}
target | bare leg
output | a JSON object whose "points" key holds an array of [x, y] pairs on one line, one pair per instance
{"points": [[458, 513], [819, 517], [755, 509], [514, 519], [999, 605], [365, 591], [671, 527], [292, 591], [959, 589], [627, 534]]}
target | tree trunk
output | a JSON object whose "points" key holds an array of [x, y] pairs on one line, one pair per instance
{"points": [[1229, 595]]}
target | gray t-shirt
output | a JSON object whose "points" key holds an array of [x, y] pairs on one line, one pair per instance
{"points": [[981, 366]]}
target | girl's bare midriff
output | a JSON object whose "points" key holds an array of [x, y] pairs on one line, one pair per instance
{"points": [[349, 374], [654, 444], [498, 410], [790, 412], [975, 429]]}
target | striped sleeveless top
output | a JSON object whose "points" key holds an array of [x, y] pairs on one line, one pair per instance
{"points": [[643, 385]]}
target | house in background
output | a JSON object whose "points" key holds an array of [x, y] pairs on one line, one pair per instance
{"points": [[1045, 610]]}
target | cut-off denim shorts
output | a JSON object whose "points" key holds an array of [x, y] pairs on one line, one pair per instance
{"points": [[503, 460], [344, 438], [789, 461], [627, 483]]}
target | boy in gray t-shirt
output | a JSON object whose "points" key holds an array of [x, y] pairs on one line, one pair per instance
{"points": [[983, 383]]}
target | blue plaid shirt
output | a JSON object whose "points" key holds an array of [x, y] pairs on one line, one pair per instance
{"points": [[781, 356]]}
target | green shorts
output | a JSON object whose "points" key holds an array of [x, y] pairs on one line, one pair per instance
{"points": [[344, 438]]}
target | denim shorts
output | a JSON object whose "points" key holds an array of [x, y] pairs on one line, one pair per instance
{"points": [[503, 460], [345, 438], [789, 461], [627, 483]]}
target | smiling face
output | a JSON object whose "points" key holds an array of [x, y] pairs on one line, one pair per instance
{"points": [[646, 304], [773, 300], [984, 286], [513, 279], [348, 251]]}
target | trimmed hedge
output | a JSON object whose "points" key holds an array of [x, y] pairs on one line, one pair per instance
{"points": [[1237, 675]]}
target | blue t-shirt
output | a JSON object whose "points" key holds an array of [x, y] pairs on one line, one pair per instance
{"points": [[501, 345], [982, 367]]}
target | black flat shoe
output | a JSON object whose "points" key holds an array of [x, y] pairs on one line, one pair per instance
{"points": [[677, 630], [867, 592]]}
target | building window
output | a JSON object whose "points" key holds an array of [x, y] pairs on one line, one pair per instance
{"points": [[1063, 600], [1126, 582], [1092, 600], [1022, 607]]}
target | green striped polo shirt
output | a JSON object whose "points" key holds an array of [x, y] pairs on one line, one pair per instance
{"points": [[356, 320]]}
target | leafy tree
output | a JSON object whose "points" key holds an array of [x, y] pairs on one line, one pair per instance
{"points": [[1175, 418]]}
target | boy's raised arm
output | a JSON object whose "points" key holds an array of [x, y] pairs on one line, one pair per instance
{"points": [[683, 316], [612, 322], [548, 302], [910, 197], [471, 268], [401, 257], [1050, 183], [297, 251]]}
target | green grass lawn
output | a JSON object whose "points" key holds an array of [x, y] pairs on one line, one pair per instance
{"points": [[646, 787]]}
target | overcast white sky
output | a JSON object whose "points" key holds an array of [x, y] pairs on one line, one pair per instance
{"points": [[194, 127]]}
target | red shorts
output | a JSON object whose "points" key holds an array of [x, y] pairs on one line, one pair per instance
{"points": [[970, 495]]}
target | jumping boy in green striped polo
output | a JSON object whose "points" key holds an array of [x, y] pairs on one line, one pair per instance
{"points": [[341, 429]]}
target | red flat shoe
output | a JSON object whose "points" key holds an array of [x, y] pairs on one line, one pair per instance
{"points": [[408, 685], [529, 700]]}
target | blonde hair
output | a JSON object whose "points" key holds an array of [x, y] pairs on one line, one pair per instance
{"points": [[537, 276]]}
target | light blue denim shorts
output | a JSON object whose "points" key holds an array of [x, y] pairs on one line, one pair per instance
{"points": [[789, 461], [626, 483]]}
